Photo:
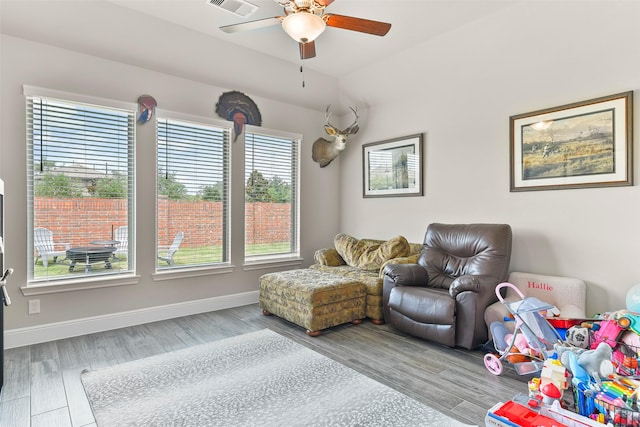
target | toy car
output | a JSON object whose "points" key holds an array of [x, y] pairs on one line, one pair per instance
{"points": [[630, 321]]}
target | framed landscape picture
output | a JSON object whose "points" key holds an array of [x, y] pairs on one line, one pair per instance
{"points": [[580, 145], [393, 167]]}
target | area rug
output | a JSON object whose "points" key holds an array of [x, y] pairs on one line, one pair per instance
{"points": [[257, 379]]}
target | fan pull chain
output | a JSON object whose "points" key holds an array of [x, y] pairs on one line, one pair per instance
{"points": [[302, 71]]}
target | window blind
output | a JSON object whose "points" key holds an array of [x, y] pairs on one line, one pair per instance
{"points": [[80, 183], [271, 196], [192, 193]]}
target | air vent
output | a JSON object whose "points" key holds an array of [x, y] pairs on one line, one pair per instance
{"points": [[237, 7]]}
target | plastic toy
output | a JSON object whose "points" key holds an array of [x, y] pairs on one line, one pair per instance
{"points": [[609, 331], [550, 393], [566, 417], [563, 325], [631, 321], [534, 386], [539, 336], [553, 372], [515, 414]]}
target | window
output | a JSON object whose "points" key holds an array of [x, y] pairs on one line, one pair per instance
{"points": [[271, 196], [80, 188], [192, 194]]}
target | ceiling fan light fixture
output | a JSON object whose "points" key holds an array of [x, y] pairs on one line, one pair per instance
{"points": [[303, 27]]}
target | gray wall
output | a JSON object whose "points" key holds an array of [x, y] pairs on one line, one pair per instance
{"points": [[460, 90], [26, 62]]}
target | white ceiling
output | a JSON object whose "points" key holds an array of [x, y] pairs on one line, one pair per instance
{"points": [[68, 23]]}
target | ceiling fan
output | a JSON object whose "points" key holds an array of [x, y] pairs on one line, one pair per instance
{"points": [[305, 20]]}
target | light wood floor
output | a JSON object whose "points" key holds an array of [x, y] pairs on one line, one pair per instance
{"points": [[43, 388]]}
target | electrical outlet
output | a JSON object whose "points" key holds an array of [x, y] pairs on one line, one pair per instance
{"points": [[34, 306]]}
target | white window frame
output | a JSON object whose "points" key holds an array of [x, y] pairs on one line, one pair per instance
{"points": [[63, 284], [224, 266], [287, 259]]}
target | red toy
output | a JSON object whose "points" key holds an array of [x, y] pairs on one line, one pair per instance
{"points": [[609, 332], [515, 414]]}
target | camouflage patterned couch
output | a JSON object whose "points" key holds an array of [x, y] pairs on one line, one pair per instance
{"points": [[364, 260]]}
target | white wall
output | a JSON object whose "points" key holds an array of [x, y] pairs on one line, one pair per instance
{"points": [[460, 90], [26, 62]]}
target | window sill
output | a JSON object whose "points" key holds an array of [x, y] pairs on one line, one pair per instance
{"points": [[171, 274], [272, 262], [41, 288]]}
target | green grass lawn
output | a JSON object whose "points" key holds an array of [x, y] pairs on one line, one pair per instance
{"points": [[184, 257]]}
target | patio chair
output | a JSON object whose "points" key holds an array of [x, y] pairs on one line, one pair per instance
{"points": [[122, 236], [46, 248], [166, 254]]}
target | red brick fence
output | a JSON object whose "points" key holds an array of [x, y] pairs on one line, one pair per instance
{"points": [[81, 220]]}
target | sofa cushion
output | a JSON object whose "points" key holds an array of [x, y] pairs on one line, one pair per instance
{"points": [[370, 254], [328, 256], [369, 278]]}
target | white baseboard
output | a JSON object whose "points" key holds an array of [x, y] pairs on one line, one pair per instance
{"points": [[88, 325]]}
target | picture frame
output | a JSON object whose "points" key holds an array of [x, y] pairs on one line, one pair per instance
{"points": [[393, 167], [581, 145]]}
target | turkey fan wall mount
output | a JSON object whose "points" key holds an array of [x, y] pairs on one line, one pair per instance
{"points": [[305, 20]]}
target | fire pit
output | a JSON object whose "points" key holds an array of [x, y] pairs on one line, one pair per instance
{"points": [[90, 255]]}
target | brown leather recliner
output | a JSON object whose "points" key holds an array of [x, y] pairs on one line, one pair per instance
{"points": [[443, 297]]}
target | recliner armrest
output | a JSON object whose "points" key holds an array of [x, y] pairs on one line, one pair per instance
{"points": [[406, 274], [474, 283], [411, 259]]}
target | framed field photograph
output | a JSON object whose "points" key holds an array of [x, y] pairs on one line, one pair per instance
{"points": [[393, 167], [581, 145]]}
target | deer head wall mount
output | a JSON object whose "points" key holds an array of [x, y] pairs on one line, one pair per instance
{"points": [[324, 151]]}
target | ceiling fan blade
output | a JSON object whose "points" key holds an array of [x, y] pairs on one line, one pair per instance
{"points": [[376, 28], [307, 50], [252, 25]]}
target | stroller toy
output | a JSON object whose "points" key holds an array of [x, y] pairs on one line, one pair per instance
{"points": [[533, 336]]}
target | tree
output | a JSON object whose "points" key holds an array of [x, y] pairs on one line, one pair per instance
{"points": [[257, 188], [114, 187], [212, 192], [170, 187], [55, 185], [279, 191]]}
